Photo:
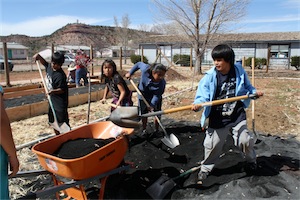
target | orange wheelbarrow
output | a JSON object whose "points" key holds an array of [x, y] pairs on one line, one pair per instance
{"points": [[98, 164]]}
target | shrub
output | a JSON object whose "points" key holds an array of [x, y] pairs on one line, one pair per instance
{"points": [[262, 61], [248, 61], [295, 62], [258, 62], [137, 58], [183, 60]]}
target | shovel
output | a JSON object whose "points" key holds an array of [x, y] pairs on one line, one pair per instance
{"points": [[123, 116], [253, 104], [210, 103], [169, 140], [61, 127], [162, 186], [128, 113]]}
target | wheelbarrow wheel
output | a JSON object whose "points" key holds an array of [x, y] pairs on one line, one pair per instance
{"points": [[113, 187], [92, 193]]}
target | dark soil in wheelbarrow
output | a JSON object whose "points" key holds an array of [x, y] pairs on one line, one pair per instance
{"points": [[277, 175]]}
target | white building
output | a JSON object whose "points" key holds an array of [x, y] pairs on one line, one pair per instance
{"points": [[278, 47], [15, 51]]}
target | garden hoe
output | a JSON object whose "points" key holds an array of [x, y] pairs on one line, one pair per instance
{"points": [[62, 127]]}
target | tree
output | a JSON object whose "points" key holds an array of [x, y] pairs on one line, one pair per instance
{"points": [[200, 20], [123, 32]]}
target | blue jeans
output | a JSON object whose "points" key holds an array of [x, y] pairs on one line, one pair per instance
{"points": [[81, 73]]}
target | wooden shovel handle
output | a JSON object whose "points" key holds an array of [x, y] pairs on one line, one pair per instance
{"points": [[210, 103], [112, 105], [46, 91], [42, 77], [148, 105], [139, 92]]}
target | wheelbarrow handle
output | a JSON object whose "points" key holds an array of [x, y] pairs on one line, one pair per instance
{"points": [[210, 103], [66, 185]]}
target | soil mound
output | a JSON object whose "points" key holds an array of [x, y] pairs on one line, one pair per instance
{"points": [[174, 75], [170, 75]]}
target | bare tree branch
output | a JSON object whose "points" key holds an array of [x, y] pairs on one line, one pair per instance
{"points": [[195, 17], [123, 33]]}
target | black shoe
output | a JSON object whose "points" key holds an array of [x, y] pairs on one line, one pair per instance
{"points": [[144, 133], [157, 134], [202, 176], [250, 168]]}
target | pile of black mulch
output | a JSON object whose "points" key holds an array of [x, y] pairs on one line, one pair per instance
{"points": [[80, 147], [277, 176]]}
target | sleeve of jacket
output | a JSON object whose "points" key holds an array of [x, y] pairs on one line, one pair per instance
{"points": [[245, 88], [158, 94], [135, 67], [248, 85], [203, 91]]}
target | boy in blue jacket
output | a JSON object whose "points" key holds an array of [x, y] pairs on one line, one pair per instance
{"points": [[225, 80], [152, 85]]}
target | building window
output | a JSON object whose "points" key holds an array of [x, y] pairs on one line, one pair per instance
{"points": [[279, 51]]}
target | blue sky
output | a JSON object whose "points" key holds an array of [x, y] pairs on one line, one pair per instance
{"points": [[43, 17]]}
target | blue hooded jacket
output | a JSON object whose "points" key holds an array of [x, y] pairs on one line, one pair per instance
{"points": [[208, 86], [152, 91]]}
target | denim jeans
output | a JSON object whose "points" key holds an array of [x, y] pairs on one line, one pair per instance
{"points": [[81, 73]]}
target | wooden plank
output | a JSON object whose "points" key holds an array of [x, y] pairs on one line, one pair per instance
{"points": [[39, 108], [20, 88], [27, 91], [35, 109], [19, 112], [79, 99], [22, 93]]}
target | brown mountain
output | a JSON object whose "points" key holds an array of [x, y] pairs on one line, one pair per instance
{"points": [[76, 34]]}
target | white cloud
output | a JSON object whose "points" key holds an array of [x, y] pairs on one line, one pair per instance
{"points": [[286, 18], [44, 25], [269, 27], [291, 4]]}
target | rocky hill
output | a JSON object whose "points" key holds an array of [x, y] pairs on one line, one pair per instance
{"points": [[76, 34]]}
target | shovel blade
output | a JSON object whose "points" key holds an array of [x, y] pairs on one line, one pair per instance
{"points": [[126, 123], [62, 128], [125, 116], [161, 187], [170, 141]]}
